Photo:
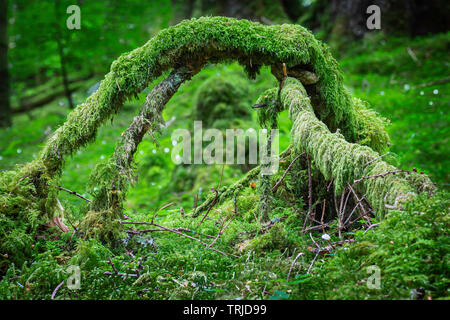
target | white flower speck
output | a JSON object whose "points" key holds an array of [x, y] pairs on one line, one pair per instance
{"points": [[382, 93], [430, 103], [141, 152], [19, 150], [435, 91], [264, 130], [174, 143], [102, 157], [406, 87], [166, 150], [1, 158], [154, 151], [422, 93], [326, 236]]}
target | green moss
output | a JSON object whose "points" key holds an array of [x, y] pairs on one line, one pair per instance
{"points": [[411, 249], [343, 161], [31, 191], [197, 41], [102, 225], [220, 101]]}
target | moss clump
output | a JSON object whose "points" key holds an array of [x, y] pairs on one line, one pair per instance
{"points": [[277, 238], [370, 127], [102, 225], [411, 248], [220, 101], [27, 198]]}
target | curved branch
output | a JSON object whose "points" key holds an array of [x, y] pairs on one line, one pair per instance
{"points": [[116, 173], [212, 39]]}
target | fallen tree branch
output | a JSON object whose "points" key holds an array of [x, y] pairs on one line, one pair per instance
{"points": [[341, 160], [275, 187], [74, 193], [179, 233]]}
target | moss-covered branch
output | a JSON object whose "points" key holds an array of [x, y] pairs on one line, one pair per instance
{"points": [[343, 161], [212, 39], [114, 176]]}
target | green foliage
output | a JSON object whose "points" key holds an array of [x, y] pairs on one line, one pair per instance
{"points": [[411, 248], [383, 72]]}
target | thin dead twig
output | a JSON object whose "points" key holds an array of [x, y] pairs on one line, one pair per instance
{"points": [[275, 187], [292, 265], [74, 193]]}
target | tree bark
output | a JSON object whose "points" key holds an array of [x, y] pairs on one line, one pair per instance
{"points": [[62, 58], [65, 78], [5, 107]]}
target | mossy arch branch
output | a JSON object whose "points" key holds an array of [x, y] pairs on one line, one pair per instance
{"points": [[193, 43]]}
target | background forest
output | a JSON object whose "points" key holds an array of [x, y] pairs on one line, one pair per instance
{"points": [[402, 71]]}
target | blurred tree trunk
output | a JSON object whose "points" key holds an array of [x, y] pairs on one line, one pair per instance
{"points": [[348, 17], [62, 58], [182, 9], [5, 108], [65, 79], [266, 11]]}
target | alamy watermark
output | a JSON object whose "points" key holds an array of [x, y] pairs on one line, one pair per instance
{"points": [[236, 147], [374, 280], [374, 20], [73, 22], [74, 280]]}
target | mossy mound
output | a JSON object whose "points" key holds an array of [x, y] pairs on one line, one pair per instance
{"points": [[410, 248], [222, 101]]}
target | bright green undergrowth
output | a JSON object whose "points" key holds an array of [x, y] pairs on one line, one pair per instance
{"points": [[179, 268]]}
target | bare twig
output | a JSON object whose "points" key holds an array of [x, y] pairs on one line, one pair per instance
{"points": [[262, 105], [162, 208], [275, 187], [312, 263], [432, 83], [357, 199], [211, 205], [179, 233], [323, 213], [381, 175], [292, 265], [309, 191], [74, 193], [112, 265], [56, 289], [372, 161], [372, 226], [317, 245], [195, 202], [215, 197], [220, 233], [329, 185]]}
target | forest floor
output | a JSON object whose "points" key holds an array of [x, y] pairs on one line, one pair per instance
{"points": [[397, 76]]}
